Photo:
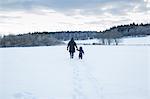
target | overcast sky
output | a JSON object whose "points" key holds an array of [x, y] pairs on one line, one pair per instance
{"points": [[21, 16]]}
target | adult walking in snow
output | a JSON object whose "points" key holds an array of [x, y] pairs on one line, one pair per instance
{"points": [[71, 47]]}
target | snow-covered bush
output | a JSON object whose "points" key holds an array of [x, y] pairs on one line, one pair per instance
{"points": [[26, 40]]}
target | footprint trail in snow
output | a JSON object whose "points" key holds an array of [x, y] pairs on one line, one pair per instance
{"points": [[85, 85]]}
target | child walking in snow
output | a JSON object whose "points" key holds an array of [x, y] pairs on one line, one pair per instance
{"points": [[81, 52]]}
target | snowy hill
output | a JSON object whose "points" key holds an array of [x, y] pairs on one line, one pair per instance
{"points": [[136, 41], [123, 41], [106, 72]]}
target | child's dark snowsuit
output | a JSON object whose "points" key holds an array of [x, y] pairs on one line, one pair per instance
{"points": [[81, 52]]}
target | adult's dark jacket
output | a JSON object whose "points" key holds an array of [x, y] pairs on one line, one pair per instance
{"points": [[71, 46]]}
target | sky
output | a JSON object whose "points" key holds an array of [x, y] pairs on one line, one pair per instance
{"points": [[22, 16]]}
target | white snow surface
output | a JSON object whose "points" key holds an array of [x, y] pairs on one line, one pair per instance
{"points": [[136, 41], [123, 41], [89, 41], [106, 72]]}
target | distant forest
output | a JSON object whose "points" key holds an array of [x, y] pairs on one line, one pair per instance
{"points": [[107, 37]]}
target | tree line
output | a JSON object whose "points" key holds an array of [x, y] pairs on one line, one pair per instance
{"points": [[114, 34], [28, 40], [107, 37]]}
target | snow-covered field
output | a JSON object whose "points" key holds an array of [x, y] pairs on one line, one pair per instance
{"points": [[106, 72], [123, 41], [136, 41]]}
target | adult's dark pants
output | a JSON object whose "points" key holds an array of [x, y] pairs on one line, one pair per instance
{"points": [[71, 54]]}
